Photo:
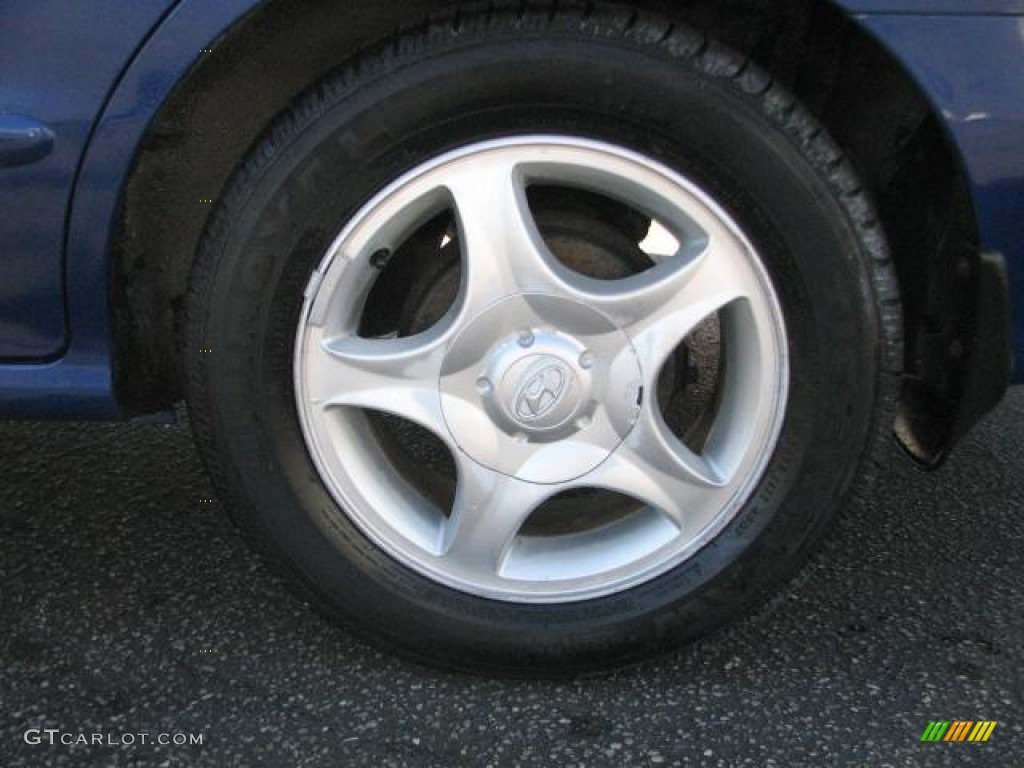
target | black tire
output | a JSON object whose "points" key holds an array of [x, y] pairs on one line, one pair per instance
{"points": [[659, 89]]}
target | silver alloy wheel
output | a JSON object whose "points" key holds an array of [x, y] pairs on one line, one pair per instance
{"points": [[540, 380]]}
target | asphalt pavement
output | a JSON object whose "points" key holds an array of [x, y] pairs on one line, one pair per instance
{"points": [[129, 609]]}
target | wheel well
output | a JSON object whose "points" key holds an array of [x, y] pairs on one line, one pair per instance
{"points": [[863, 96]]}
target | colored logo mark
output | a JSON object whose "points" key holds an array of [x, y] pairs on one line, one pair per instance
{"points": [[958, 730]]}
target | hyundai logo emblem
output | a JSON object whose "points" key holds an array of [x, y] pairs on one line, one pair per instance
{"points": [[542, 391]]}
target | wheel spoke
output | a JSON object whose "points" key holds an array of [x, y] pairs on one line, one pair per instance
{"points": [[489, 510], [502, 251], [397, 376], [659, 308], [651, 465]]}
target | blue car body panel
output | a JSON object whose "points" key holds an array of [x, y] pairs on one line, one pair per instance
{"points": [[967, 55], [978, 86], [934, 7], [59, 61], [80, 383]]}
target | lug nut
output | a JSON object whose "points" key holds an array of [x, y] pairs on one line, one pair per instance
{"points": [[526, 339], [380, 258], [484, 386], [586, 360]]}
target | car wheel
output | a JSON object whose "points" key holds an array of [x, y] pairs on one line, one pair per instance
{"points": [[538, 342]]}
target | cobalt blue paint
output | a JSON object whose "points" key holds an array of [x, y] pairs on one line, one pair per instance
{"points": [[59, 61], [23, 140], [972, 68]]}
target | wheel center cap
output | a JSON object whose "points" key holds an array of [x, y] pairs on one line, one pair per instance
{"points": [[540, 388], [535, 387]]}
